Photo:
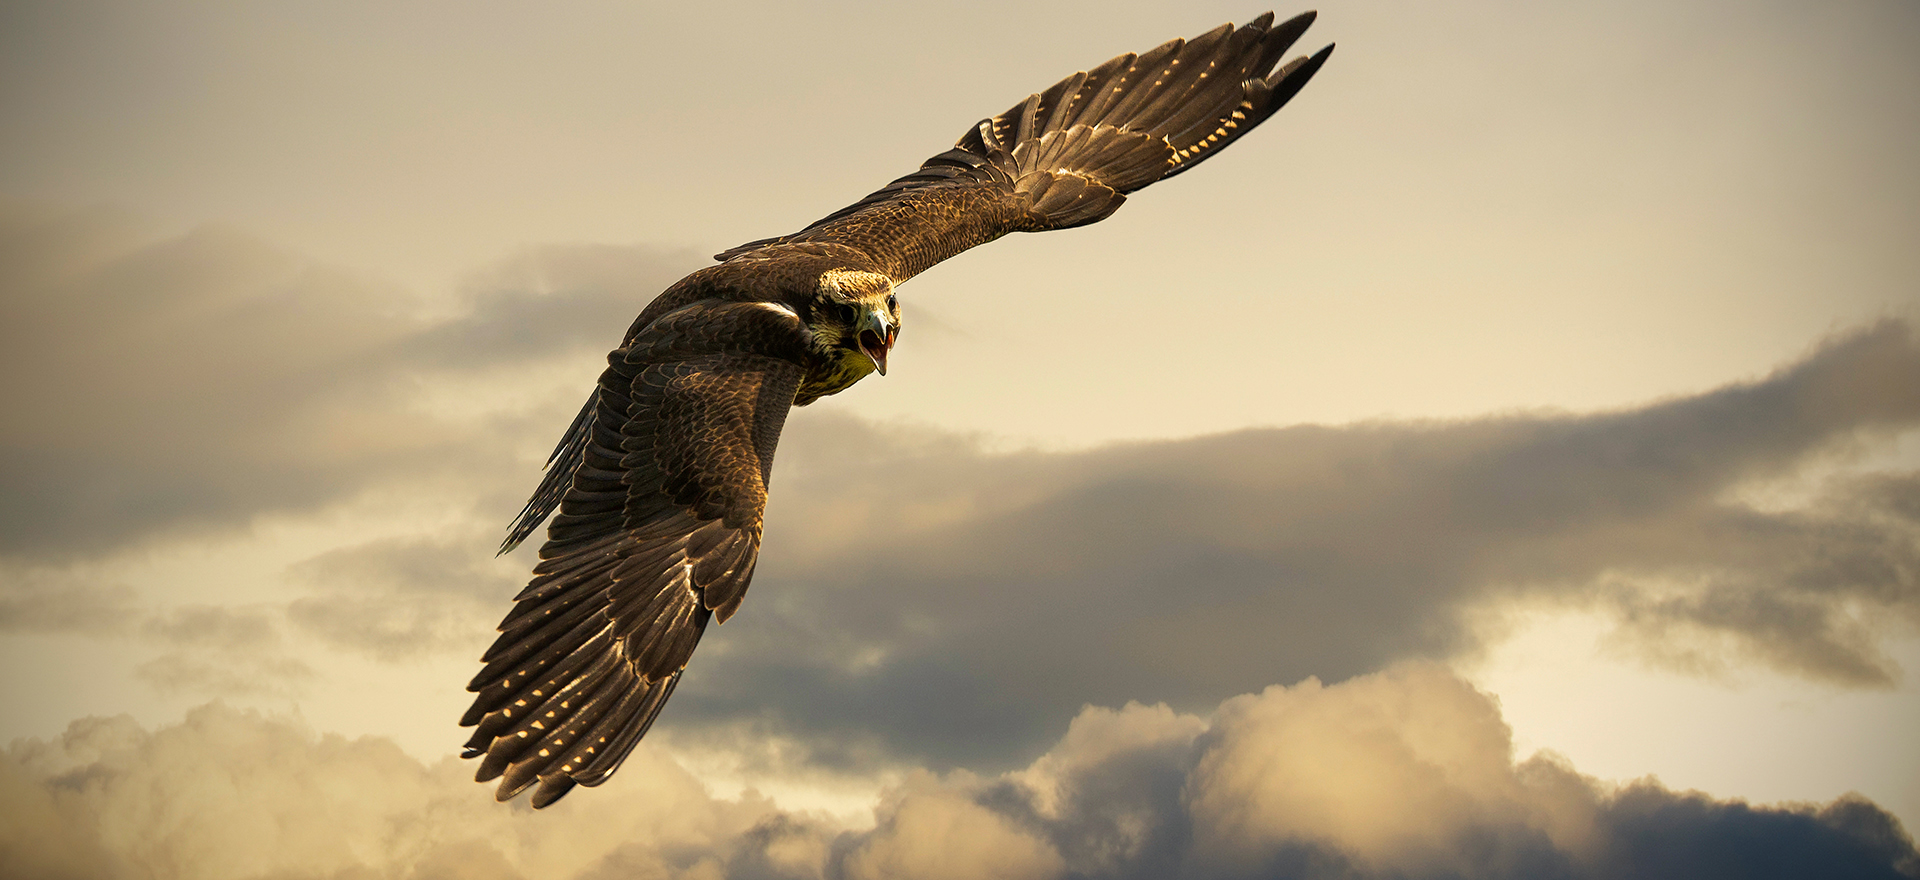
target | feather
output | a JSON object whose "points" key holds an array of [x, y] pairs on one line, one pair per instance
{"points": [[655, 494]]}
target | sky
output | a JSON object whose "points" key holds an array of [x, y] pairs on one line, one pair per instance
{"points": [[1505, 462]]}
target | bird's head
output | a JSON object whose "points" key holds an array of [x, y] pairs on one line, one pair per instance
{"points": [[856, 318]]}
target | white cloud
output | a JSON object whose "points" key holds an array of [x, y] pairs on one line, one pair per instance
{"points": [[1403, 773], [1396, 769], [938, 832], [231, 794]]}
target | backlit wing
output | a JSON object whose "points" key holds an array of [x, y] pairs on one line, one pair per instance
{"points": [[1068, 156], [660, 486], [661, 481]]}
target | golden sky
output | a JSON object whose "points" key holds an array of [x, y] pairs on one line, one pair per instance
{"points": [[1505, 462]]}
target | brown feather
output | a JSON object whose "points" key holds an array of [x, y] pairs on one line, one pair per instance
{"points": [[657, 488], [1181, 95]]}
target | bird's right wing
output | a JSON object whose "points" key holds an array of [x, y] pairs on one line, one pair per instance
{"points": [[660, 486], [1069, 155]]}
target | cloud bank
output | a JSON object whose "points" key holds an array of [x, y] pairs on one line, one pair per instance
{"points": [[1406, 773], [946, 601], [186, 384], [922, 602], [920, 599]]}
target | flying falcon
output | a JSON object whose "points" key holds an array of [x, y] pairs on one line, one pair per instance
{"points": [[661, 479]]}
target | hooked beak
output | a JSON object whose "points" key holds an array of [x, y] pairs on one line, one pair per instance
{"points": [[876, 339]]}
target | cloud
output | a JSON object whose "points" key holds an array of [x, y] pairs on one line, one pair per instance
{"points": [[920, 595], [920, 599], [1405, 773], [400, 598], [203, 672], [205, 649], [547, 299], [940, 833], [1398, 767], [232, 794], [222, 651], [41, 600], [190, 381], [168, 385]]}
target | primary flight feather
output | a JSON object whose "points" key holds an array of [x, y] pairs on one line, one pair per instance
{"points": [[661, 480]]}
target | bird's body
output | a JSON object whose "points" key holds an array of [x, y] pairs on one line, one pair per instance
{"points": [[661, 481]]}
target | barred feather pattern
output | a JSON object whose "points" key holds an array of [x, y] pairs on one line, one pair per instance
{"points": [[1069, 155], [657, 488], [657, 533]]}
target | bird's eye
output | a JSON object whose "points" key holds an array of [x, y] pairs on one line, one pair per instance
{"points": [[893, 304]]}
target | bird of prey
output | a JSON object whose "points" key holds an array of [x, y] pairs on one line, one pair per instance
{"points": [[661, 479]]}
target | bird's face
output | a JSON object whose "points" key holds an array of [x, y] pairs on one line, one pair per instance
{"points": [[856, 319]]}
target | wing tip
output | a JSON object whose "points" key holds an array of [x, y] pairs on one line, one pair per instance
{"points": [[551, 789]]}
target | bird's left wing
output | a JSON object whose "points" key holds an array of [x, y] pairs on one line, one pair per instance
{"points": [[1069, 156], [660, 486]]}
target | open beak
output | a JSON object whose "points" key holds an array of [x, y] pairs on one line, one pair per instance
{"points": [[876, 339]]}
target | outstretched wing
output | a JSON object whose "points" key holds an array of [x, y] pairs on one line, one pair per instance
{"points": [[660, 484], [1068, 156]]}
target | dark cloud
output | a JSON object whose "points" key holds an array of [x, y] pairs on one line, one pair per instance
{"points": [[1407, 773], [920, 596], [1663, 834], [195, 381], [550, 299]]}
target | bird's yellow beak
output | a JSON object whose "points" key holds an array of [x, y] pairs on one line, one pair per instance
{"points": [[876, 339]]}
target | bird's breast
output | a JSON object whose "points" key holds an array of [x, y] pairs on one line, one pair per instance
{"points": [[832, 375]]}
